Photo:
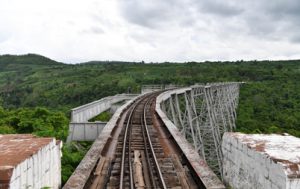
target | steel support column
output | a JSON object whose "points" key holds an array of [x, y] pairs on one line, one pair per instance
{"points": [[203, 113]]}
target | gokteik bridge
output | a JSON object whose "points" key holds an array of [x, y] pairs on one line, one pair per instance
{"points": [[196, 118]]}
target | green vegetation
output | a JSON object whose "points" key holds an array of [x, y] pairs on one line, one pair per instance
{"points": [[269, 101], [270, 107], [104, 116], [38, 121], [72, 155]]}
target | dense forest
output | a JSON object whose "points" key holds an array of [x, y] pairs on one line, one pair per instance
{"points": [[37, 93]]}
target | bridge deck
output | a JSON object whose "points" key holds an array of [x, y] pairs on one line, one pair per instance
{"points": [[83, 171], [96, 159]]}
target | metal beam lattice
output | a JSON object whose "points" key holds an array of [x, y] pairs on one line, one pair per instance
{"points": [[203, 113]]}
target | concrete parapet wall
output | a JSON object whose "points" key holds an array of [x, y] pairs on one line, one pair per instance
{"points": [[207, 176], [82, 130], [42, 169], [245, 167], [88, 111], [87, 131], [152, 88]]}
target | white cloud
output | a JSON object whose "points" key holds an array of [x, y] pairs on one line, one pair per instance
{"points": [[131, 30]]}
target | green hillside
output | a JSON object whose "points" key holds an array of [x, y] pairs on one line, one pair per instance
{"points": [[269, 101]]}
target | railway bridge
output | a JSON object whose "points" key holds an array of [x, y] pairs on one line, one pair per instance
{"points": [[167, 138]]}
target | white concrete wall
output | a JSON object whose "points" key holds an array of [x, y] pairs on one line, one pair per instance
{"points": [[43, 169], [293, 183], [245, 168], [82, 130], [88, 111], [87, 131], [150, 88]]}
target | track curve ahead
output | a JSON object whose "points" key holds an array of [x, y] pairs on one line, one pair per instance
{"points": [[139, 158]]}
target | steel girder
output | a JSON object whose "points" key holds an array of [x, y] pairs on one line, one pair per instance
{"points": [[203, 113]]}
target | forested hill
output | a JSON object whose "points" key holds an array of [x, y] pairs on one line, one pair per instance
{"points": [[270, 100], [28, 59]]}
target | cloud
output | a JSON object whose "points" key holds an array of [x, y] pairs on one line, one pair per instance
{"points": [[154, 31], [155, 13], [220, 8], [282, 9], [93, 30]]}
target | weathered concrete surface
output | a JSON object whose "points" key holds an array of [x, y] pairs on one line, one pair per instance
{"points": [[257, 161], [208, 177], [151, 88], [87, 131], [84, 169], [27, 161], [80, 129], [84, 113]]}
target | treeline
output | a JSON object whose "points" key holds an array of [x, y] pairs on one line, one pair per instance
{"points": [[38, 121]]}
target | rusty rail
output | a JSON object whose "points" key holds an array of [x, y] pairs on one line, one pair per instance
{"points": [[147, 145], [161, 179]]}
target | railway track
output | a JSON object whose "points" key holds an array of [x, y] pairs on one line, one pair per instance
{"points": [[139, 159]]}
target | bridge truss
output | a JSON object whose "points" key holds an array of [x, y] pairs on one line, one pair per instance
{"points": [[203, 113]]}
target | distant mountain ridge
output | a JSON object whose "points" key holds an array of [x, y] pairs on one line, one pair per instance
{"points": [[36, 59], [27, 59]]}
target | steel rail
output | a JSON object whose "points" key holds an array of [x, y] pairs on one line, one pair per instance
{"points": [[147, 153], [124, 147], [130, 162], [147, 144], [161, 179]]}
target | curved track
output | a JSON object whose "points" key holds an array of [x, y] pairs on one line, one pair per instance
{"points": [[132, 148], [139, 157]]}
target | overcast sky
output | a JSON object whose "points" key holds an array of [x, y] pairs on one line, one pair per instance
{"points": [[151, 30]]}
